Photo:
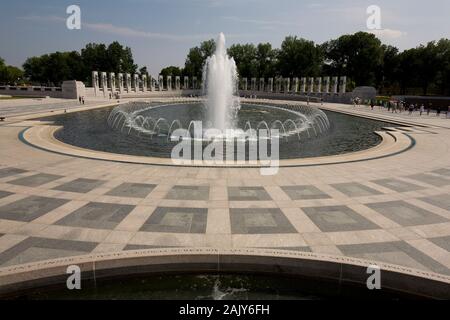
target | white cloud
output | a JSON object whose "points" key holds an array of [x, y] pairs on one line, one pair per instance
{"points": [[265, 23], [388, 33], [120, 30]]}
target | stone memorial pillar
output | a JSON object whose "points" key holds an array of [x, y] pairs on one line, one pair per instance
{"points": [[319, 85], [287, 85], [120, 80], [343, 85], [104, 83], [270, 85], [177, 83], [136, 82], [253, 86], [311, 85], [144, 82], [95, 84], [244, 84], [326, 85], [128, 82], [151, 83], [169, 83], [295, 86], [194, 83], [303, 85], [262, 83], [186, 83], [161, 83], [112, 82], [334, 85], [278, 85]]}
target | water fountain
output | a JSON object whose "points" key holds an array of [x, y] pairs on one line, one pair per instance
{"points": [[220, 79], [220, 110]]}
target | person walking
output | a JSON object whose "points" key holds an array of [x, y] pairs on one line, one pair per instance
{"points": [[79, 99], [372, 104], [429, 108], [82, 99], [422, 109], [411, 109]]}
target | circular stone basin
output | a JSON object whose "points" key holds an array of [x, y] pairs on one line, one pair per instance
{"points": [[212, 287], [98, 130]]}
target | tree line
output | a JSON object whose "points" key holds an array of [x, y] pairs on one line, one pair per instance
{"points": [[10, 74], [54, 68], [360, 56]]}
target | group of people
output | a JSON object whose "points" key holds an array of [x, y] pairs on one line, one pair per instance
{"points": [[115, 95], [81, 100], [397, 106], [401, 106]]}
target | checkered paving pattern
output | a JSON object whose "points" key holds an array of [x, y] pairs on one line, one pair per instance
{"points": [[390, 210]]}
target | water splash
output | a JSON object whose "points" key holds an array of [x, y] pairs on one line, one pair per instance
{"points": [[220, 83]]}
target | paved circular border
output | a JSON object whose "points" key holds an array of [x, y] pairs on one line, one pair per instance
{"points": [[42, 137], [212, 260]]}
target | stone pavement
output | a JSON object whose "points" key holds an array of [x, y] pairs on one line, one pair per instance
{"points": [[394, 209]]}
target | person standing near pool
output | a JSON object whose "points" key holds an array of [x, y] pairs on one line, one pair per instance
{"points": [[422, 109]]}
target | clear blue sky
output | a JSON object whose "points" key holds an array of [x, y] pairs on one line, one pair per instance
{"points": [[160, 32]]}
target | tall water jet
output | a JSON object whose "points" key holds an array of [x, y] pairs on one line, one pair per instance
{"points": [[220, 80]]}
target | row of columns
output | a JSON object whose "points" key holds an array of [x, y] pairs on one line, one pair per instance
{"points": [[319, 85], [125, 82]]}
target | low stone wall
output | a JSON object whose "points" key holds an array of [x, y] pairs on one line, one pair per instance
{"points": [[20, 91], [68, 90]]}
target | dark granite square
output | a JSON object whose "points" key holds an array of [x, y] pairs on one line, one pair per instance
{"points": [[177, 220], [443, 242], [398, 253], [354, 189], [39, 249], [260, 221], [441, 201], [35, 180], [338, 218], [30, 208], [80, 185], [406, 214], [398, 185], [4, 194], [306, 192], [248, 194], [7, 172], [188, 193], [442, 172], [97, 215], [132, 190], [430, 179]]}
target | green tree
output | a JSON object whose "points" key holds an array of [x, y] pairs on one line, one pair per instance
{"points": [[245, 56], [10, 74], [407, 75], [428, 66], [357, 56], [299, 57], [171, 71], [113, 58], [443, 56], [143, 70], [197, 57], [386, 75], [266, 60], [54, 68]]}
